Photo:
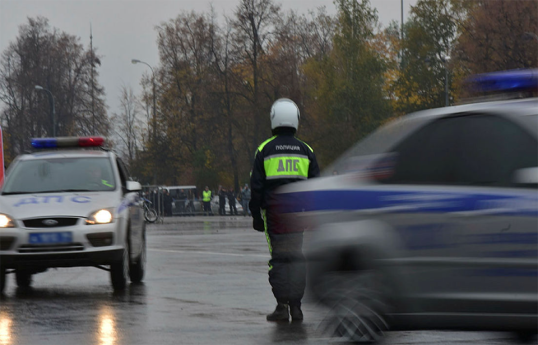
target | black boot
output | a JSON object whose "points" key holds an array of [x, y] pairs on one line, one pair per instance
{"points": [[296, 313], [281, 313]]}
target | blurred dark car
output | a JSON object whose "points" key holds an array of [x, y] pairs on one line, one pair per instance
{"points": [[429, 223]]}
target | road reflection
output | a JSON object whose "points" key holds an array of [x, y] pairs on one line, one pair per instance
{"points": [[107, 327], [286, 332], [5, 329], [57, 309]]}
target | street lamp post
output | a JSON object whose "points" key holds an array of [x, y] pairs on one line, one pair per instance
{"points": [[445, 60], [401, 23], [154, 120], [401, 51], [446, 86], [53, 111]]}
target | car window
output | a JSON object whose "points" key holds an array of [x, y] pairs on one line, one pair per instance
{"points": [[123, 172], [477, 149], [427, 156], [60, 174], [367, 150], [491, 149]]}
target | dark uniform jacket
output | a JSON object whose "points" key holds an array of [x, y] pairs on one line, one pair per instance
{"points": [[279, 160], [231, 197]]}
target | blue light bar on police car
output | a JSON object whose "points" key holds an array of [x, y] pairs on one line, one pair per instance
{"points": [[46, 143], [506, 81]]}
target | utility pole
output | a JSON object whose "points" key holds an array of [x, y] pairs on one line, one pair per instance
{"points": [[154, 120], [402, 21], [446, 86], [91, 65], [445, 59], [401, 34]]}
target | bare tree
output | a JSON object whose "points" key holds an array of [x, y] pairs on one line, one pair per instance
{"points": [[58, 62], [128, 125], [498, 35], [224, 91], [252, 31]]}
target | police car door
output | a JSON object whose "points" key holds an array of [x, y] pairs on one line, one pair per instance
{"points": [[420, 190], [498, 244], [136, 215]]}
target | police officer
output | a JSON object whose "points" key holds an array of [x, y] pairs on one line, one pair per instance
{"points": [[222, 200], [95, 179], [231, 201], [206, 199], [167, 200], [182, 197], [280, 160], [245, 200]]}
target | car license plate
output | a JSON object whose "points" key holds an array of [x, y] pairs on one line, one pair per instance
{"points": [[51, 237]]}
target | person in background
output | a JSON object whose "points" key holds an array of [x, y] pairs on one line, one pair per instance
{"points": [[154, 200], [167, 200], [231, 201], [206, 199], [95, 179], [222, 200], [189, 208], [181, 202], [245, 199]]}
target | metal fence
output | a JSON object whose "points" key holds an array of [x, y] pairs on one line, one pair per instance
{"points": [[181, 201]]}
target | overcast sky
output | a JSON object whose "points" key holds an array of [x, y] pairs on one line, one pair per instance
{"points": [[125, 29]]}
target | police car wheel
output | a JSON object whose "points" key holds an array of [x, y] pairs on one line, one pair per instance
{"points": [[23, 278], [138, 267], [119, 271], [357, 305]]}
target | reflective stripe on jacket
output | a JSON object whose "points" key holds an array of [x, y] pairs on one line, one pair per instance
{"points": [[279, 160]]}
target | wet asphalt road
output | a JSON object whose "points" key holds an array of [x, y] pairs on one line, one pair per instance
{"points": [[206, 283]]}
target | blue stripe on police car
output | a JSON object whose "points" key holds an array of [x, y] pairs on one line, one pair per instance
{"points": [[80, 199], [408, 202]]}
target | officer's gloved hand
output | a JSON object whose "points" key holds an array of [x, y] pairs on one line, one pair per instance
{"points": [[257, 223]]}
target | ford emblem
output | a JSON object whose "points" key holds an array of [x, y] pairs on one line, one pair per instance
{"points": [[50, 222]]}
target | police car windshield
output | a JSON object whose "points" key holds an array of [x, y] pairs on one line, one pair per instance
{"points": [[60, 175], [370, 148]]}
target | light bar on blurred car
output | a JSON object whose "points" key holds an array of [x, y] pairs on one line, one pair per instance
{"points": [[506, 81], [45, 143]]}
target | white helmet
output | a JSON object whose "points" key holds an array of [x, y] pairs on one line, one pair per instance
{"points": [[284, 113]]}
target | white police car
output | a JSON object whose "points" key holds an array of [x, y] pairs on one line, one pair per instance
{"points": [[431, 222], [66, 207]]}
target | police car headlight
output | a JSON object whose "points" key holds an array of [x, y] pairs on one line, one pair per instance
{"points": [[100, 217], [6, 221]]}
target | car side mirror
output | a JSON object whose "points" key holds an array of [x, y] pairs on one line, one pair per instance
{"points": [[133, 186], [526, 176]]}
